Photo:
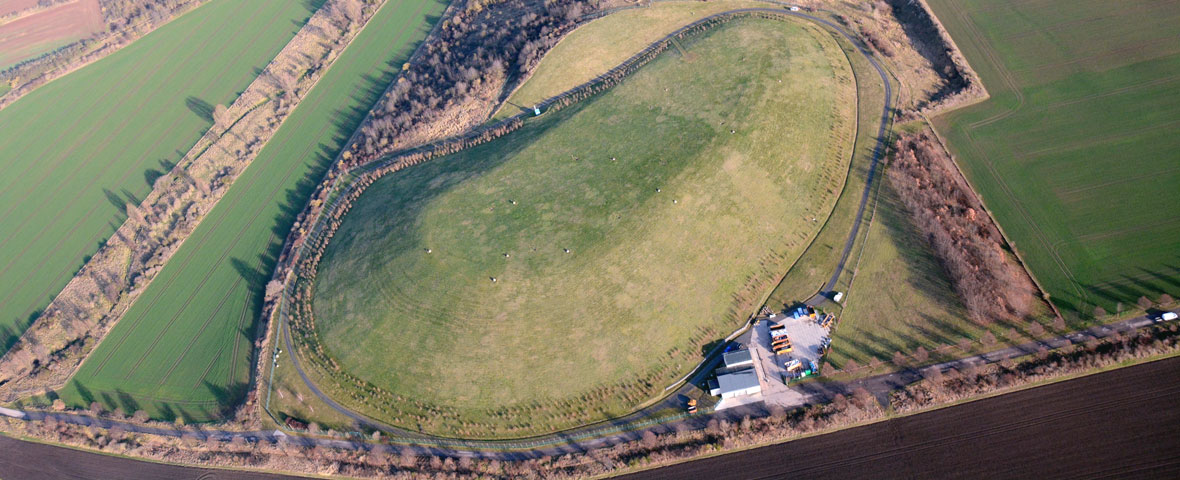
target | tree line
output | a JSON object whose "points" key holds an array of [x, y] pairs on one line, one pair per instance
{"points": [[947, 212]]}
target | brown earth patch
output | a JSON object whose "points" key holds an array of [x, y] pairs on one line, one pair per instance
{"points": [[30, 35]]}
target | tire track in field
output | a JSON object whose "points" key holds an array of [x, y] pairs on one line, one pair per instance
{"points": [[94, 207], [242, 319], [1038, 234], [204, 326], [986, 48], [93, 130], [197, 336], [115, 158], [98, 99], [213, 228], [50, 288]]}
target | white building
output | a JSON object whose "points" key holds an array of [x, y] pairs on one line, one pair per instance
{"points": [[736, 384], [738, 358]]}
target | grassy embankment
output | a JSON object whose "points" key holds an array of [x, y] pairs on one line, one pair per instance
{"points": [[1075, 152], [675, 227], [78, 149], [185, 347]]}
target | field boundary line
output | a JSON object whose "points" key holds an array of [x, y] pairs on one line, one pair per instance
{"points": [[1007, 239]]}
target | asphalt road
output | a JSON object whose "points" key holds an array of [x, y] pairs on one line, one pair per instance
{"points": [[1117, 424]]}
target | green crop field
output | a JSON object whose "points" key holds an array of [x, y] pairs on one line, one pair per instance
{"points": [[78, 149], [623, 233], [1076, 151], [185, 346]]}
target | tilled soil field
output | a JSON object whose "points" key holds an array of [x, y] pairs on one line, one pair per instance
{"points": [[35, 461], [1117, 424]]}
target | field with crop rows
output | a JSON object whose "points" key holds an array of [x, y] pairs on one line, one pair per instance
{"points": [[185, 347], [77, 150], [1076, 151], [623, 234]]}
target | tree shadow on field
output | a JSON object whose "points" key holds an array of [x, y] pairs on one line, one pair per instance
{"points": [[127, 402], [200, 107], [151, 175], [227, 396], [120, 201]]}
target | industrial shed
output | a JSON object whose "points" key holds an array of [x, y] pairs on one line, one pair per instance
{"points": [[736, 384]]}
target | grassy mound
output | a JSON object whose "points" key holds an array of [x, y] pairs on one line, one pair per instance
{"points": [[623, 234]]}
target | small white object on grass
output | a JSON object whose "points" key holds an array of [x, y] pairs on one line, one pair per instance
{"points": [[493, 279], [566, 250], [675, 201], [429, 250]]}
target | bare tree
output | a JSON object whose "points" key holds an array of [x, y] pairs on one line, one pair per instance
{"points": [[1144, 302], [988, 339], [1036, 329], [921, 355], [1166, 299], [1059, 324], [221, 116]]}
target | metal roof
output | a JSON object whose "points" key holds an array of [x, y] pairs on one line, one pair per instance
{"points": [[738, 381], [738, 357]]}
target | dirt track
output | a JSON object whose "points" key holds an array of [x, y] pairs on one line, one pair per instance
{"points": [[35, 461], [1118, 424]]}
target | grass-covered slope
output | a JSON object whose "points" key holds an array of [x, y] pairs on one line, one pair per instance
{"points": [[681, 195], [185, 347], [78, 149], [1076, 151]]}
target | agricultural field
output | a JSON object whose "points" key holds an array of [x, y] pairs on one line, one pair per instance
{"points": [[77, 150], [1075, 151], [567, 272], [27, 31], [184, 349]]}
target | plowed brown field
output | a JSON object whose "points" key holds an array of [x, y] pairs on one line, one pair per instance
{"points": [[32, 35], [1118, 424]]}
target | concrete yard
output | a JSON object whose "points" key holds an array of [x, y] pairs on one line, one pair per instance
{"points": [[807, 337]]}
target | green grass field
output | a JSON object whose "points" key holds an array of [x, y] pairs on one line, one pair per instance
{"points": [[822, 256], [901, 297], [185, 347], [76, 150], [604, 43], [675, 229], [1076, 151]]}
